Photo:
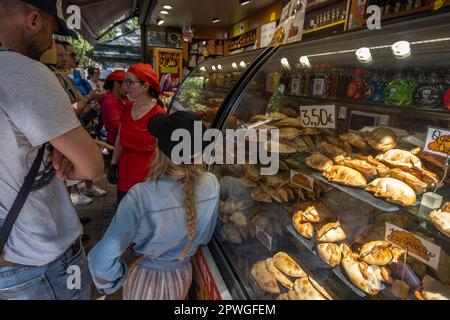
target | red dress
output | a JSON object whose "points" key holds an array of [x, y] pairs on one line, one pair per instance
{"points": [[137, 145]]}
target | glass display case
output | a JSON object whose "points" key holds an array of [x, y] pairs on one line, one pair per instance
{"points": [[358, 208], [205, 89]]}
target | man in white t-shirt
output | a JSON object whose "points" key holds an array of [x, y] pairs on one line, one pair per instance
{"points": [[44, 257]]}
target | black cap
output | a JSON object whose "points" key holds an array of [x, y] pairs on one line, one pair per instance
{"points": [[53, 7], [162, 127]]}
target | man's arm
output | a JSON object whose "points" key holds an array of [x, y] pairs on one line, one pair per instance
{"points": [[82, 152]]}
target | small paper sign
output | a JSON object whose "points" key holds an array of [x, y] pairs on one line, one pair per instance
{"points": [[302, 180], [417, 247], [318, 116], [295, 86], [438, 141], [264, 237]]}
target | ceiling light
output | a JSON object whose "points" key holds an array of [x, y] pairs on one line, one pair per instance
{"points": [[203, 69], [215, 20], [285, 63], [164, 12], [167, 7], [364, 55], [234, 65], [214, 68], [160, 22], [243, 65], [244, 2], [401, 49], [304, 61], [220, 67]]}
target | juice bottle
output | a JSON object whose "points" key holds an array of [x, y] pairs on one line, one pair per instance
{"points": [[429, 93], [398, 92], [374, 89], [355, 89]]}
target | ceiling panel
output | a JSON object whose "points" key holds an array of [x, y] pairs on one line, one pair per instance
{"points": [[199, 13]]}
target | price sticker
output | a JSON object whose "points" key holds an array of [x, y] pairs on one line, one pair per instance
{"points": [[438, 141], [318, 116]]}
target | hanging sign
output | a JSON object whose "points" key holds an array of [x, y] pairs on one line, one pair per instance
{"points": [[438, 141], [302, 180]]}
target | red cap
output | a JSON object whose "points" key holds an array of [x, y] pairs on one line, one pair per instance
{"points": [[146, 73], [118, 75]]}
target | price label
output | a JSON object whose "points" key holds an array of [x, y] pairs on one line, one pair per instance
{"points": [[438, 141], [318, 116]]}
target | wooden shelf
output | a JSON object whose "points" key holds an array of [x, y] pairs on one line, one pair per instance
{"points": [[325, 27], [242, 45], [321, 5]]}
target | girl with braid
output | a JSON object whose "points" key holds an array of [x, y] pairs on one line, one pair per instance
{"points": [[160, 223]]}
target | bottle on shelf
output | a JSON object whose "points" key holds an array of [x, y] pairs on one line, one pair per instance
{"points": [[355, 89], [389, 6], [429, 93], [333, 82], [409, 4], [374, 88], [446, 91], [381, 4], [399, 91]]}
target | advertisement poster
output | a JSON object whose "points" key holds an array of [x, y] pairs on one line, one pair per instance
{"points": [[169, 68], [295, 24], [267, 32]]}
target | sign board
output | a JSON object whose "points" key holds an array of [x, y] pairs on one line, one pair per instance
{"points": [[438, 141], [295, 24], [417, 247], [302, 180], [295, 86], [169, 67], [323, 116], [267, 32], [240, 28]]}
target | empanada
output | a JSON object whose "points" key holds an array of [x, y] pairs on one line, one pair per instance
{"points": [[393, 190], [272, 193], [290, 112], [288, 266], [354, 139], [261, 196], [376, 253], [433, 290], [366, 169], [418, 186], [345, 176], [330, 253], [319, 162], [265, 280], [441, 219], [289, 122], [310, 215], [361, 275], [319, 288], [331, 150], [382, 139], [306, 291], [399, 159], [278, 274], [305, 229], [292, 295], [289, 133], [331, 232]]}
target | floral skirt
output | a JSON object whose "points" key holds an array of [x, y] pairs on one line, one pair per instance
{"points": [[144, 284]]}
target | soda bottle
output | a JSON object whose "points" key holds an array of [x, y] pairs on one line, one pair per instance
{"points": [[355, 89], [398, 92], [374, 89], [446, 91], [429, 93]]}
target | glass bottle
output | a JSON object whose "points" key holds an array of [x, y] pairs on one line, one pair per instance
{"points": [[355, 89], [446, 91], [374, 89], [429, 93], [398, 92]]}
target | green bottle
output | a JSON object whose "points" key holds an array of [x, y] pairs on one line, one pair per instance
{"points": [[399, 92]]}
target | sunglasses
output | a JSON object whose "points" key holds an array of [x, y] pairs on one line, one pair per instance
{"points": [[129, 82]]}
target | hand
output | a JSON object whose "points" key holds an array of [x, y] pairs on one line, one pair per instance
{"points": [[112, 174], [131, 259], [96, 95], [61, 164], [102, 145], [95, 106]]}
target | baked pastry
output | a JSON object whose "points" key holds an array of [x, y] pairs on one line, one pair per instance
{"points": [[366, 169], [361, 274], [288, 266], [446, 207], [400, 159], [306, 291], [283, 194], [383, 274], [354, 139], [319, 288], [278, 274], [319, 162], [283, 296], [231, 233], [252, 172], [289, 133], [330, 253], [382, 139], [346, 176], [248, 183], [265, 280], [290, 112], [261, 196], [289, 122], [426, 176], [418, 186], [331, 232], [279, 147], [380, 167], [441, 219], [278, 180], [272, 193], [376, 253], [305, 229], [292, 295], [393, 190], [432, 290], [332, 150], [310, 215]]}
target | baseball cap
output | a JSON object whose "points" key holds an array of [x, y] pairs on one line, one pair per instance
{"points": [[54, 8], [163, 126]]}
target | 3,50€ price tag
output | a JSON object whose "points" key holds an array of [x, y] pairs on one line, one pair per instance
{"points": [[318, 116]]}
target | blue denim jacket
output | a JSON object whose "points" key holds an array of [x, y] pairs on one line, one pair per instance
{"points": [[152, 219]]}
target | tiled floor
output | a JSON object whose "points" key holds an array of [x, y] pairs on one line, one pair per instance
{"points": [[101, 211]]}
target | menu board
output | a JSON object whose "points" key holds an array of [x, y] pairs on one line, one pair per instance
{"points": [[169, 67]]}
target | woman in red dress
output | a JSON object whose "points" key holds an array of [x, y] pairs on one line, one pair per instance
{"points": [[135, 146]]}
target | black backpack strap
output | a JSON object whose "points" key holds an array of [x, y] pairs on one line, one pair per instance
{"points": [[22, 196]]}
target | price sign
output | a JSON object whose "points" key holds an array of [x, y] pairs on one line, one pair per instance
{"points": [[302, 180], [438, 141], [318, 116], [264, 237]]}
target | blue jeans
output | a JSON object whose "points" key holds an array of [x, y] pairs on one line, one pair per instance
{"points": [[55, 281]]}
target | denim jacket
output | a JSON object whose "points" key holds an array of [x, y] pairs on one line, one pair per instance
{"points": [[152, 220]]}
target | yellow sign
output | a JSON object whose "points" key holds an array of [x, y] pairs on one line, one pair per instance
{"points": [[169, 67], [240, 28], [273, 16], [438, 141], [438, 4]]}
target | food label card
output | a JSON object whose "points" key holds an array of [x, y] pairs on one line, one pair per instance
{"points": [[264, 237], [302, 180], [438, 141], [318, 116], [417, 247]]}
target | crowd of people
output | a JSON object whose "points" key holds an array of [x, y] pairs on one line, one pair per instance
{"points": [[55, 126]]}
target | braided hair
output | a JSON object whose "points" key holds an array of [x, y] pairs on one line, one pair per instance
{"points": [[190, 176]]}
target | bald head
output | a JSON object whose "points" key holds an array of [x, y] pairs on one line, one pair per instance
{"points": [[25, 28]]}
